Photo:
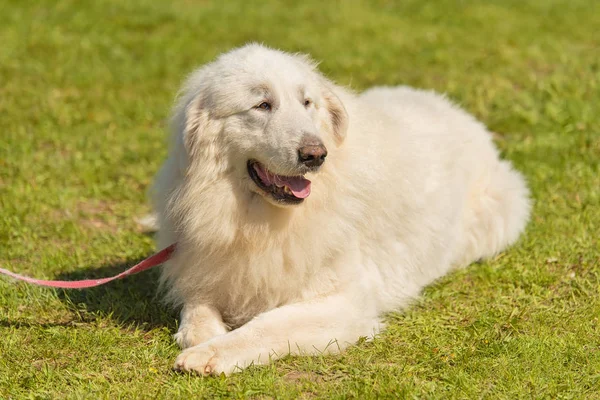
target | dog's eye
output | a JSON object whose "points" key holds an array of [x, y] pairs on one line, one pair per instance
{"points": [[264, 106], [307, 102]]}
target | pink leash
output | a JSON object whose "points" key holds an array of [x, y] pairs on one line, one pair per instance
{"points": [[148, 263]]}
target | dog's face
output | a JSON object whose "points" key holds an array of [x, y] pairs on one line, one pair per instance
{"points": [[272, 117]]}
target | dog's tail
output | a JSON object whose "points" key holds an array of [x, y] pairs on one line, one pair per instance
{"points": [[498, 211], [149, 223]]}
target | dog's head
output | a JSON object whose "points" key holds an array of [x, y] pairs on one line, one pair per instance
{"points": [[264, 117]]}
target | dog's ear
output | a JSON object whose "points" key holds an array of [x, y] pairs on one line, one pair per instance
{"points": [[190, 115], [195, 121], [336, 113], [188, 121]]}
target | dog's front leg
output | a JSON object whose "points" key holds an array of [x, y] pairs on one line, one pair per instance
{"points": [[326, 324], [199, 323]]}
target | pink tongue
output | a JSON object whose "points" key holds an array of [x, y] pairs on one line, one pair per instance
{"points": [[299, 186]]}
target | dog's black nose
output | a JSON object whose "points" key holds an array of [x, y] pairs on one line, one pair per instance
{"points": [[312, 154]]}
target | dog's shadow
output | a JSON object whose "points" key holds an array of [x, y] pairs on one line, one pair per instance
{"points": [[131, 301]]}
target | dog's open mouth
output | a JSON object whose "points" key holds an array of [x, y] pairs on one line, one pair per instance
{"points": [[284, 189]]}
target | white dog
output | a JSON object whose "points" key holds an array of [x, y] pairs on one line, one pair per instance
{"points": [[302, 211]]}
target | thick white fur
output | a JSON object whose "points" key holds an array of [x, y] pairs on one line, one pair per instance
{"points": [[411, 188]]}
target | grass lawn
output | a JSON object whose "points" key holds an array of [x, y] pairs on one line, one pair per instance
{"points": [[85, 89]]}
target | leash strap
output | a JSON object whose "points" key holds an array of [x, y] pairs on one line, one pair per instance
{"points": [[148, 263]]}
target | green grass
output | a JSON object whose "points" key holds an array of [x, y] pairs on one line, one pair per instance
{"points": [[85, 89]]}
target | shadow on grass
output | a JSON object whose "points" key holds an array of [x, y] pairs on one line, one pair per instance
{"points": [[10, 323], [132, 300]]}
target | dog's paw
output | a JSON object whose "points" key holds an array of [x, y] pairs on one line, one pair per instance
{"points": [[187, 338], [193, 334], [200, 359], [204, 360]]}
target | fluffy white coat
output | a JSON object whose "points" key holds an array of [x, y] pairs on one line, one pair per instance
{"points": [[412, 187]]}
